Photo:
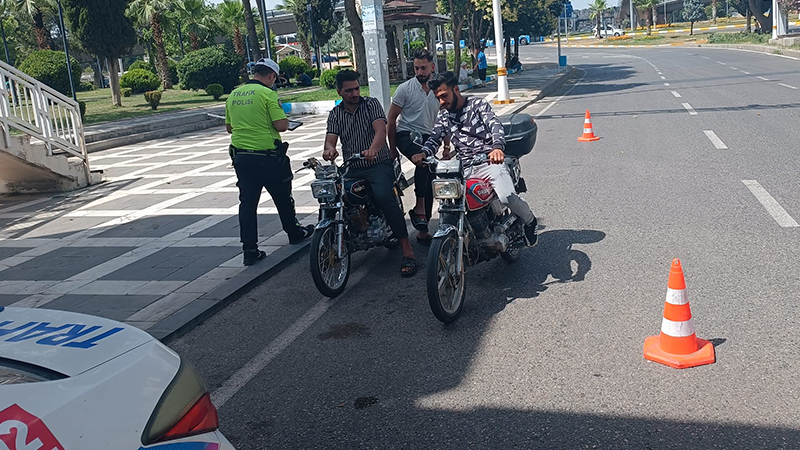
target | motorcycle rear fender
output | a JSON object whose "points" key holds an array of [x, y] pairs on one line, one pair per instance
{"points": [[326, 222]]}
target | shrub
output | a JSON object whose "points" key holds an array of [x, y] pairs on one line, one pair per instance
{"points": [[153, 98], [126, 92], [86, 86], [210, 65], [313, 73], [215, 90], [328, 78], [140, 80], [142, 65], [292, 65], [50, 68], [82, 107]]}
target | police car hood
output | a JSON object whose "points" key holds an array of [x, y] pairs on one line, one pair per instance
{"points": [[65, 342]]}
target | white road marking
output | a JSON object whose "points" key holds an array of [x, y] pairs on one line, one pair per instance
{"points": [[788, 86], [705, 57], [689, 108], [663, 77], [676, 94], [720, 62], [773, 208], [715, 140], [540, 113], [762, 78], [242, 376], [734, 68], [746, 72], [666, 84]]}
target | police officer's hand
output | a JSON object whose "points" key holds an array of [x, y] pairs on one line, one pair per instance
{"points": [[330, 154], [417, 158], [497, 156], [370, 155]]}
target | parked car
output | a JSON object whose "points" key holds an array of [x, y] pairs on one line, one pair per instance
{"points": [[449, 44], [325, 59], [608, 30], [73, 381]]}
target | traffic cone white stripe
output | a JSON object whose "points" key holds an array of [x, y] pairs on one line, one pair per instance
{"points": [[677, 296], [677, 329], [587, 130]]}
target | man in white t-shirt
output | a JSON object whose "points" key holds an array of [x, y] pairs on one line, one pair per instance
{"points": [[414, 108]]}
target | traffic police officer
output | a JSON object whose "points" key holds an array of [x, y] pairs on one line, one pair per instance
{"points": [[255, 118]]}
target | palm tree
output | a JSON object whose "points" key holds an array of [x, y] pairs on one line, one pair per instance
{"points": [[646, 7], [232, 16], [596, 10], [150, 12], [194, 14], [255, 49], [34, 9]]}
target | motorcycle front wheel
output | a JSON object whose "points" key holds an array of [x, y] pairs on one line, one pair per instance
{"points": [[329, 272], [446, 287]]}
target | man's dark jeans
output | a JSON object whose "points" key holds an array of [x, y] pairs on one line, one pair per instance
{"points": [[256, 172], [381, 179], [423, 177]]}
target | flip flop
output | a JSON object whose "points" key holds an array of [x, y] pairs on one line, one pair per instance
{"points": [[420, 223], [409, 267]]}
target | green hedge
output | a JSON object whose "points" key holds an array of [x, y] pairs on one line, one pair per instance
{"points": [[126, 92], [215, 90], [210, 65], [292, 65], [140, 80], [142, 65], [153, 98], [50, 68], [328, 78]]}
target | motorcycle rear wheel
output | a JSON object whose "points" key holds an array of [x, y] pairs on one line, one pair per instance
{"points": [[446, 286], [329, 272]]}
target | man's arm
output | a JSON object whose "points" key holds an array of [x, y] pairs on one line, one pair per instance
{"points": [[330, 153], [493, 126], [432, 144], [379, 127], [228, 128], [281, 125], [391, 129]]}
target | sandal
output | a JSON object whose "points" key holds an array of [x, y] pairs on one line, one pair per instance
{"points": [[425, 241], [409, 267], [305, 233], [420, 223]]}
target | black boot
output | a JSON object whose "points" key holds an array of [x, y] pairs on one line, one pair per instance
{"points": [[530, 233]]}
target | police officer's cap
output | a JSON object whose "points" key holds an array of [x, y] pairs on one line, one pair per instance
{"points": [[269, 63]]}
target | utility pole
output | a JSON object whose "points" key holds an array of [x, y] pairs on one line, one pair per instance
{"points": [[66, 49], [267, 39], [377, 55], [632, 26], [502, 73]]}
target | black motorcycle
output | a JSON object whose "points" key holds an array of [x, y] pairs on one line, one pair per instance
{"points": [[349, 221]]}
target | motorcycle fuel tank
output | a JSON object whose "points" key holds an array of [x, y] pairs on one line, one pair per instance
{"points": [[479, 193]]}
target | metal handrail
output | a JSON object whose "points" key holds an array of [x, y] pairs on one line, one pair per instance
{"points": [[40, 111]]}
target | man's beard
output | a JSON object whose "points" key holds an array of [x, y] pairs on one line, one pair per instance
{"points": [[423, 78]]}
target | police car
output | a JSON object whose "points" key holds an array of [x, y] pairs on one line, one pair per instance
{"points": [[72, 381]]}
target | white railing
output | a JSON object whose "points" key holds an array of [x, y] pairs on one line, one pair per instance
{"points": [[40, 111]]}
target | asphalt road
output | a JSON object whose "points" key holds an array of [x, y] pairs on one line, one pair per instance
{"points": [[548, 353]]}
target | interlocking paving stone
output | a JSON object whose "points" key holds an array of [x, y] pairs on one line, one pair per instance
{"points": [[62, 263], [155, 226], [9, 299], [268, 224], [174, 264], [115, 307], [132, 202], [211, 199], [175, 169], [7, 252], [191, 182], [64, 226]]}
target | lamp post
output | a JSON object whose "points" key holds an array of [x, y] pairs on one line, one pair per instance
{"points": [[266, 29], [66, 49], [313, 38], [502, 73]]}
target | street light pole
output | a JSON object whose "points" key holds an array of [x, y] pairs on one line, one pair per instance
{"points": [[631, 6], [502, 74], [66, 49], [313, 38], [267, 39]]}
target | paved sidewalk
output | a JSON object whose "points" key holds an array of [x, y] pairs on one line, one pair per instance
{"points": [[157, 244]]}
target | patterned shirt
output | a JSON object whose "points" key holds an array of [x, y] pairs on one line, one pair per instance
{"points": [[355, 129], [473, 130]]}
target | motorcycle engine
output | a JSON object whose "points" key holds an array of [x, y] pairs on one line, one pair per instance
{"points": [[377, 229], [480, 221], [358, 217]]}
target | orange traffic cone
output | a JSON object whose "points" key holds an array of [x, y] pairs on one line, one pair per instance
{"points": [[677, 346], [588, 134]]}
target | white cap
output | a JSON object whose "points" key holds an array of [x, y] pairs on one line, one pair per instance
{"points": [[269, 63]]}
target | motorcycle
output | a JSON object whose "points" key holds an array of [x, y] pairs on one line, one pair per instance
{"points": [[474, 226], [349, 221]]}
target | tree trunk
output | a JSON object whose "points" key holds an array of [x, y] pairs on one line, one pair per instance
{"points": [[691, 28], [161, 52], [98, 75], [764, 22], [714, 12], [238, 42], [749, 27], [597, 31], [113, 82], [255, 49], [305, 49], [194, 41], [262, 13], [357, 31], [458, 24], [40, 31]]}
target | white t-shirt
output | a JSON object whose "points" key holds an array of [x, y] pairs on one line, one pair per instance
{"points": [[419, 108]]}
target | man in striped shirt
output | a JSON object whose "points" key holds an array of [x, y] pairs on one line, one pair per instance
{"points": [[360, 123], [474, 129]]}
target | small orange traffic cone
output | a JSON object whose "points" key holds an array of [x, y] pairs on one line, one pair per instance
{"points": [[588, 134], [678, 346]]}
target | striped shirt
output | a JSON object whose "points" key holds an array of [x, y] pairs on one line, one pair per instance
{"points": [[355, 129], [473, 130]]}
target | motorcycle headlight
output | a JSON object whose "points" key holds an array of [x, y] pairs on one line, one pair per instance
{"points": [[324, 189], [448, 189]]}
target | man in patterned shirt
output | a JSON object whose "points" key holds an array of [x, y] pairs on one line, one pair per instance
{"points": [[474, 129], [361, 125]]}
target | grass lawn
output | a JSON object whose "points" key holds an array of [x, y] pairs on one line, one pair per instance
{"points": [[322, 94], [100, 109]]}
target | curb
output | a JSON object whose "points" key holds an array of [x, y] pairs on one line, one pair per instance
{"points": [[788, 53]]}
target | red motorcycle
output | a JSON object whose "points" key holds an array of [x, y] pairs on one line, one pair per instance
{"points": [[474, 226]]}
